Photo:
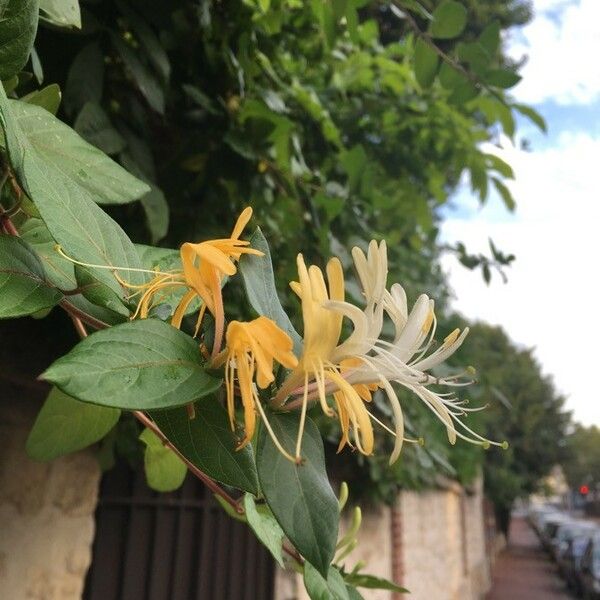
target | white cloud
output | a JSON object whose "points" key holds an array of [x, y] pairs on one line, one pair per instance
{"points": [[551, 299], [562, 43]]}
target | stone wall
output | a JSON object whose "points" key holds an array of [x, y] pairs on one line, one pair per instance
{"points": [[434, 545], [443, 542], [46, 512]]}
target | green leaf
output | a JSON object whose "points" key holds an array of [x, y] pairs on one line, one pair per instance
{"points": [[265, 527], [299, 496], [426, 63], [449, 20], [154, 202], [475, 55], [66, 425], [451, 78], [259, 282], [62, 13], [140, 75], [36, 67], [141, 365], [373, 582], [149, 42], [18, 26], [10, 85], [201, 99], [502, 78], [24, 288], [98, 293], [354, 161], [354, 594], [463, 93], [94, 126], [75, 159], [532, 115], [61, 272], [416, 7], [208, 442], [65, 199], [505, 194], [48, 98], [85, 79], [156, 210], [496, 163], [490, 39], [164, 470], [318, 588]]}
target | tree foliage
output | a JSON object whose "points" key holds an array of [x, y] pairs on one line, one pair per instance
{"points": [[581, 464], [525, 409]]}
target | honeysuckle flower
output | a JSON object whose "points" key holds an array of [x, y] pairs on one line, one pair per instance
{"points": [[405, 361], [322, 329], [352, 369], [204, 265], [251, 349]]}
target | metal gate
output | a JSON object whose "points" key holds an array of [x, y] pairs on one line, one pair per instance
{"points": [[176, 546]]}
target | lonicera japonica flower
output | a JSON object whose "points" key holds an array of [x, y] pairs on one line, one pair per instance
{"points": [[251, 349]]}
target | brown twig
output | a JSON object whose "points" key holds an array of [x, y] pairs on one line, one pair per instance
{"points": [[76, 313], [206, 480], [293, 553]]}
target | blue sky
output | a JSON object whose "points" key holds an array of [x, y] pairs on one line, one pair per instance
{"points": [[550, 300]]}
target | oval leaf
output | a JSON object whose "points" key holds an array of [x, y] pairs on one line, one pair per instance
{"points": [[208, 442], [61, 272], [18, 26], [299, 496], [164, 470], [65, 204], [259, 282], [74, 158], [140, 365], [265, 527], [23, 283], [319, 588], [449, 20], [426, 63], [85, 79], [66, 425]]}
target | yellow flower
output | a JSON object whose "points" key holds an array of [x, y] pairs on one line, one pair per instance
{"points": [[251, 348], [203, 266], [322, 328]]}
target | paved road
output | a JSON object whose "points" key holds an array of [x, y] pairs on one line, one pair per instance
{"points": [[524, 571]]}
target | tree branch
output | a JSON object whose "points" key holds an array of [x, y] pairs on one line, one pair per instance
{"points": [[445, 57]]}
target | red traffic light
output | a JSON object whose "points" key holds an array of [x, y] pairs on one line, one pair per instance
{"points": [[584, 490]]}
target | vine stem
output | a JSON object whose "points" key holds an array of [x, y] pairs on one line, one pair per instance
{"points": [[206, 480], [447, 59], [79, 318], [150, 424]]}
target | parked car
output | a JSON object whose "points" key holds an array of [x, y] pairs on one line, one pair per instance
{"points": [[570, 560], [550, 527], [541, 518], [565, 532], [589, 573], [536, 513]]}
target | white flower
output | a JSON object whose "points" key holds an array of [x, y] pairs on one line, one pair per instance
{"points": [[405, 360]]}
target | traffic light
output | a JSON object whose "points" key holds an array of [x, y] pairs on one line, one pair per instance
{"points": [[584, 490]]}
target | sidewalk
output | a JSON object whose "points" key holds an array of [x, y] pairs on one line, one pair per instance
{"points": [[524, 571]]}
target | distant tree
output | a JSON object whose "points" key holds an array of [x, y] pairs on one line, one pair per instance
{"points": [[582, 462], [525, 409]]}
